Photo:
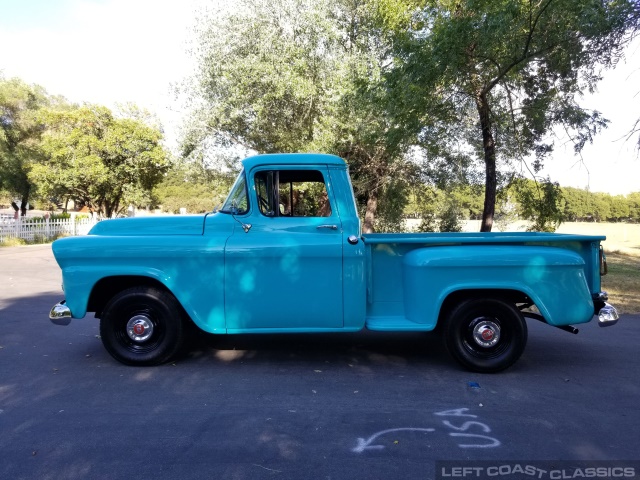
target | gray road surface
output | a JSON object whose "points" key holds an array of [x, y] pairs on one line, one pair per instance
{"points": [[339, 406]]}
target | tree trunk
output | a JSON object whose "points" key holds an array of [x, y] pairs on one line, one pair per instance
{"points": [[489, 147], [108, 209], [25, 201], [370, 213]]}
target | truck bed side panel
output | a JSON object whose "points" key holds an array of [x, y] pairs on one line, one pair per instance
{"points": [[405, 290], [553, 278]]}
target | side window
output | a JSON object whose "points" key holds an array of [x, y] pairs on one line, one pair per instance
{"points": [[264, 192], [292, 193]]}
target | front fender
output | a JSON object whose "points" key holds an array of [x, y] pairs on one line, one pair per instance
{"points": [[79, 282], [554, 279], [190, 267]]}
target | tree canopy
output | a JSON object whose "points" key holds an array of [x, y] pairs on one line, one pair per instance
{"points": [[51, 149], [299, 75], [97, 159], [393, 85], [19, 135], [490, 80], [264, 76], [462, 95], [197, 186]]}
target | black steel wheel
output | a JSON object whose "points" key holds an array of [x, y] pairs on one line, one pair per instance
{"points": [[142, 326], [485, 335]]}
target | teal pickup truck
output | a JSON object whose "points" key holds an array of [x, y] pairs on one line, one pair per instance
{"points": [[285, 254]]}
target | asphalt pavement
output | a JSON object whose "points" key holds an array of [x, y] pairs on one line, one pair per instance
{"points": [[324, 406]]}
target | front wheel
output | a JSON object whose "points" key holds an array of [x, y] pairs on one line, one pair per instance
{"points": [[485, 335], [142, 326]]}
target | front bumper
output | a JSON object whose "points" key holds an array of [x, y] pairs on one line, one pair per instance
{"points": [[60, 314]]}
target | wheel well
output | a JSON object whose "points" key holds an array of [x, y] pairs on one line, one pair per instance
{"points": [[511, 296], [107, 287]]}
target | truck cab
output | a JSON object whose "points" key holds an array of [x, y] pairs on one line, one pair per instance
{"points": [[295, 247]]}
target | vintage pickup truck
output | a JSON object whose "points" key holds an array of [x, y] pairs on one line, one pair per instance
{"points": [[285, 254]]}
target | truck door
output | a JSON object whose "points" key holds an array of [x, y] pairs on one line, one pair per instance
{"points": [[285, 273]]}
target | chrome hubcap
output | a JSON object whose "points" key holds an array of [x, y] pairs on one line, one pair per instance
{"points": [[486, 333], [139, 328]]}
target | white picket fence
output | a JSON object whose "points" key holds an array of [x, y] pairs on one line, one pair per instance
{"points": [[38, 229]]}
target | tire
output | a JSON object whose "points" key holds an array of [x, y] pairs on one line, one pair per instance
{"points": [[485, 335], [142, 326]]}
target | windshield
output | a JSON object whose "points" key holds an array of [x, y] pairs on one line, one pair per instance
{"points": [[237, 202]]}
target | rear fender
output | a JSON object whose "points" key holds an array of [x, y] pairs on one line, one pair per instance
{"points": [[553, 278]]}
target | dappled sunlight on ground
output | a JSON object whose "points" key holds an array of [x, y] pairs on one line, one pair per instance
{"points": [[230, 355]]}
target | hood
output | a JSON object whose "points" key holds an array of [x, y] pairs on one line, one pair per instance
{"points": [[160, 225]]}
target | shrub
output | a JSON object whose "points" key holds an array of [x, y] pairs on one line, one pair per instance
{"points": [[12, 242]]}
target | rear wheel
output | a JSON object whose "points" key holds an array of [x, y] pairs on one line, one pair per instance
{"points": [[142, 326], [485, 335]]}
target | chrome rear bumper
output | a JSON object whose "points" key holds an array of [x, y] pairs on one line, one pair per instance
{"points": [[60, 314], [608, 315]]}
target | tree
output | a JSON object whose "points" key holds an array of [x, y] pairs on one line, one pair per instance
{"points": [[101, 161], [619, 208], [600, 207], [264, 76], [634, 206], [359, 128], [634, 19], [19, 135], [301, 75], [194, 186], [541, 203], [577, 204], [492, 79], [439, 211], [469, 198]]}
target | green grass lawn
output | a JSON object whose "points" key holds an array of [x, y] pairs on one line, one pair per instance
{"points": [[623, 282], [621, 237]]}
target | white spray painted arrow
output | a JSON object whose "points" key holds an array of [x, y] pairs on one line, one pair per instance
{"points": [[366, 444]]}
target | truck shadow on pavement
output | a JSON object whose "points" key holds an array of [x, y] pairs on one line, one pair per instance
{"points": [[24, 323], [364, 347]]}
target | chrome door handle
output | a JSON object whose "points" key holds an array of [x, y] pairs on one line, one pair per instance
{"points": [[331, 227]]}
